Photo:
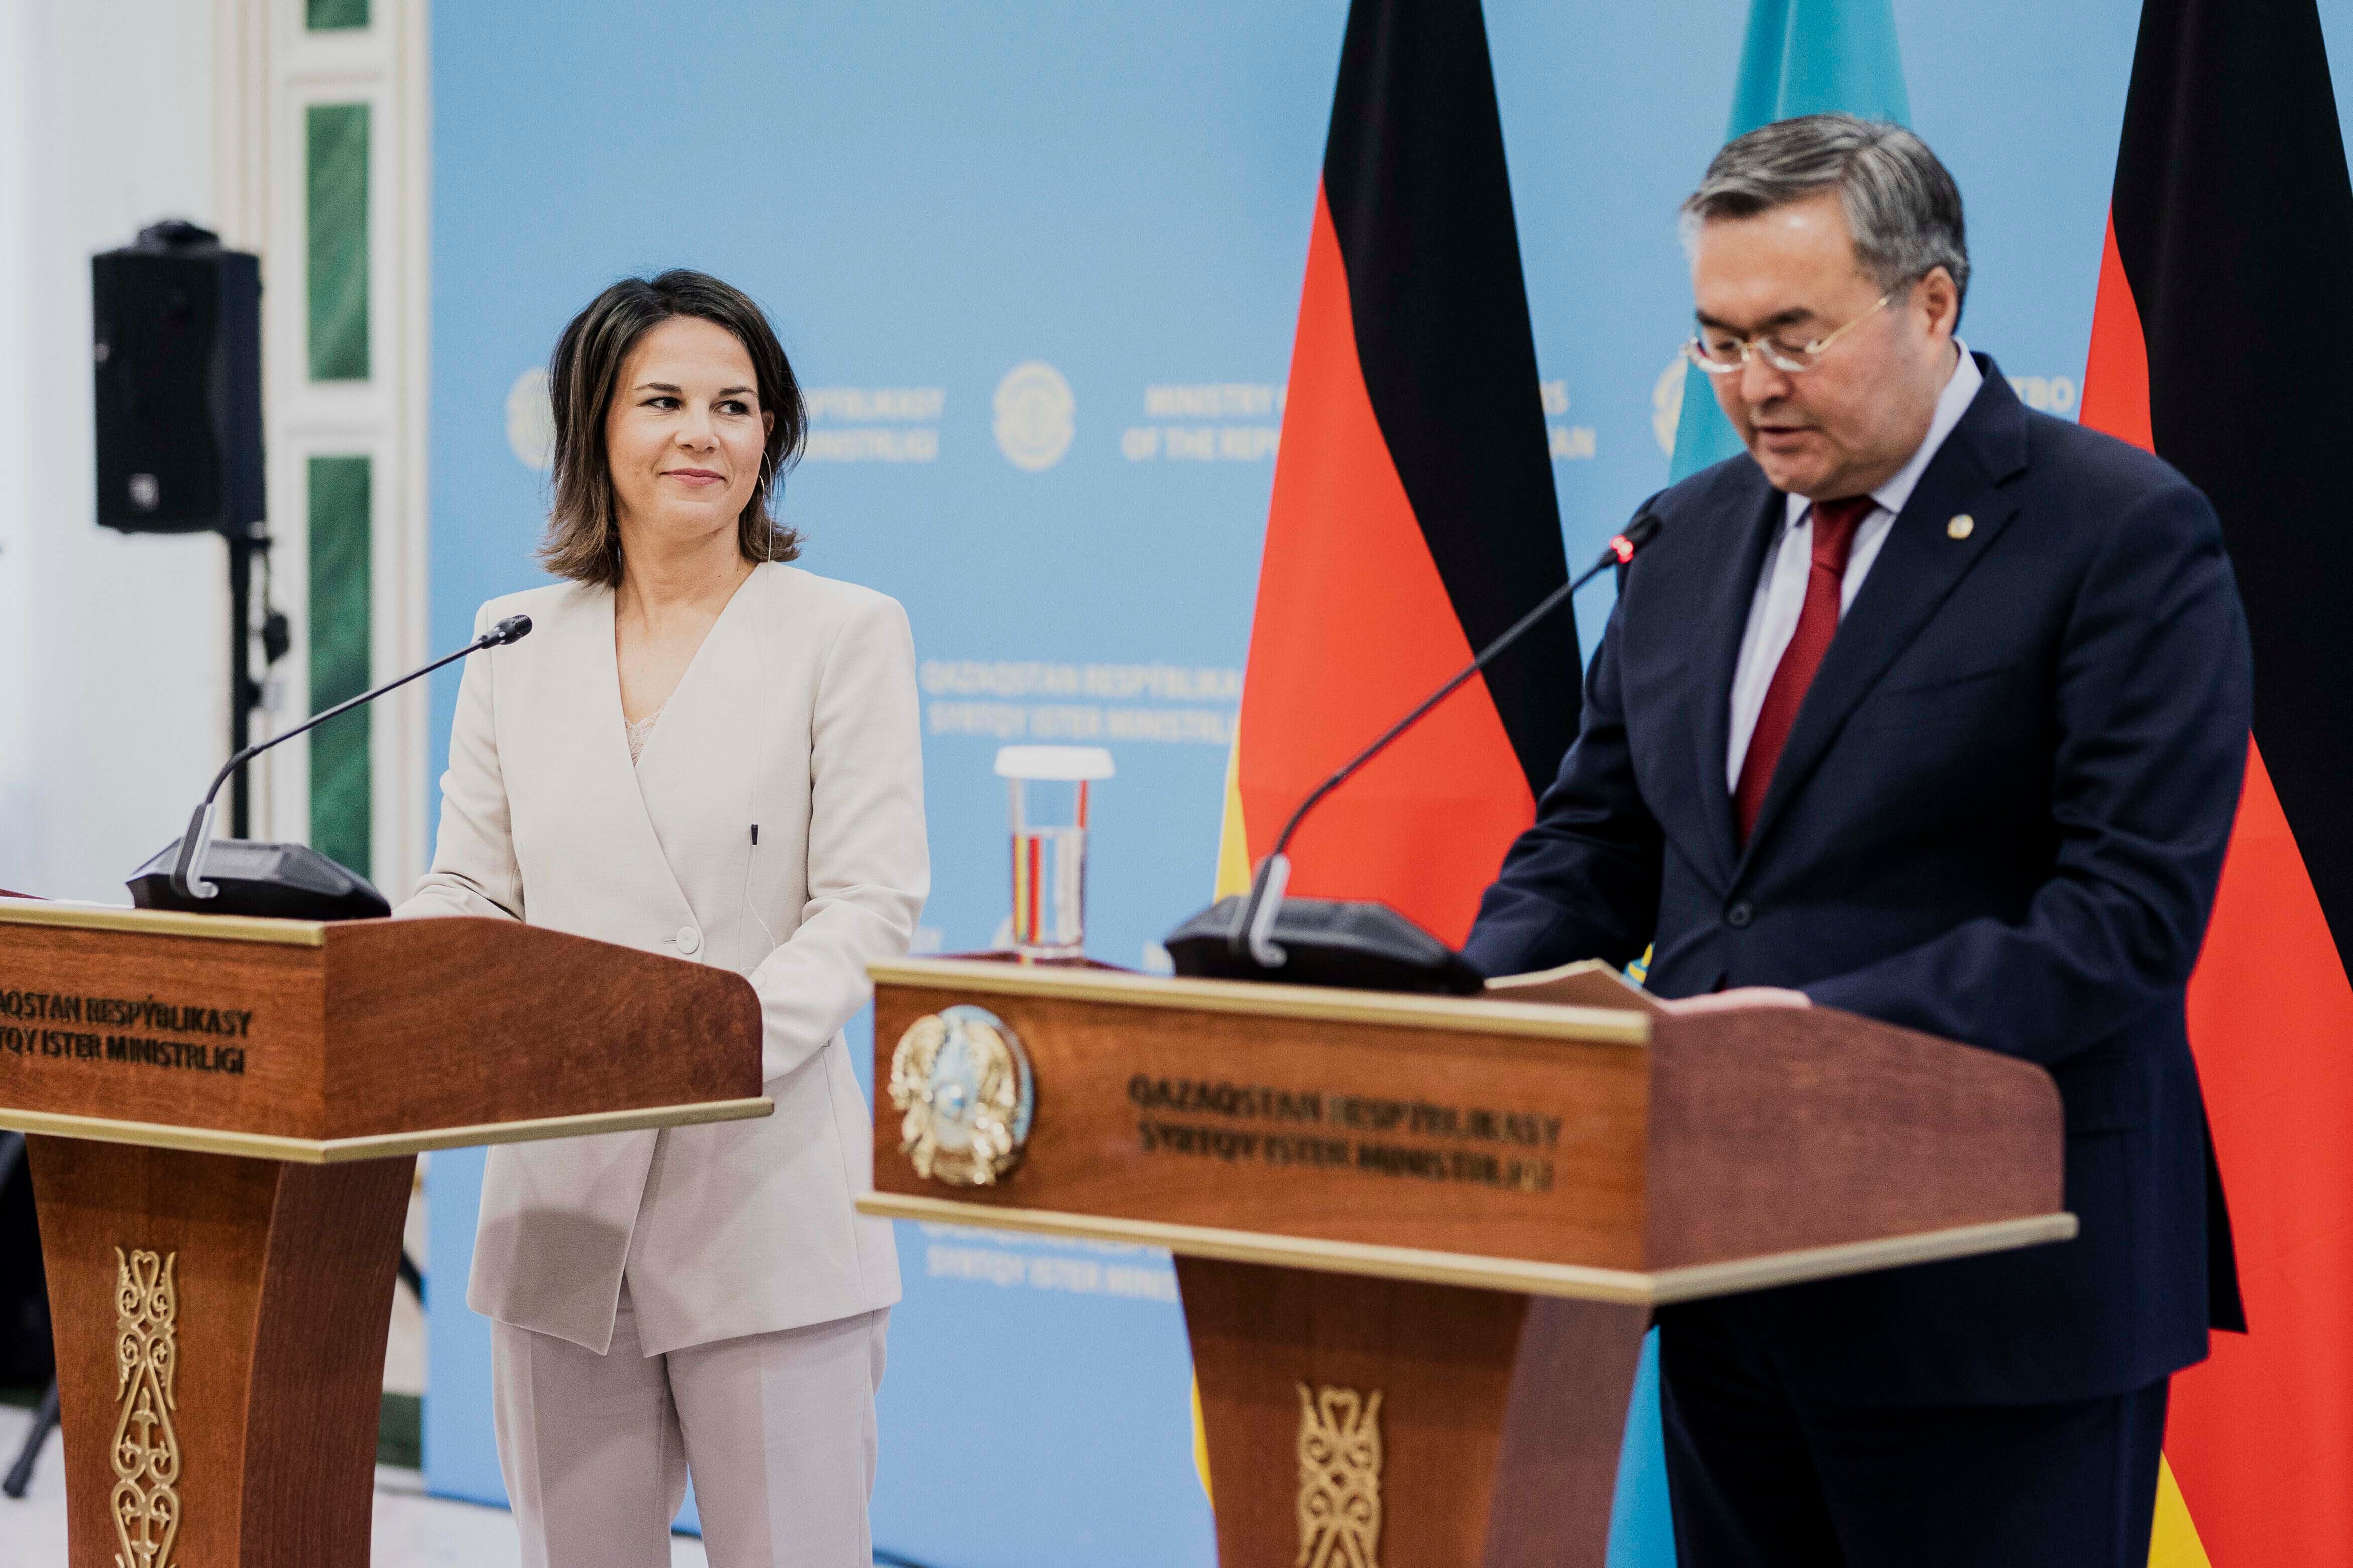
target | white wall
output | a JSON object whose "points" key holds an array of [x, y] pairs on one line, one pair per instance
{"points": [[113, 648]]}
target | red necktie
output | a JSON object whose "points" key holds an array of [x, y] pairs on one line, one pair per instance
{"points": [[1834, 525]]}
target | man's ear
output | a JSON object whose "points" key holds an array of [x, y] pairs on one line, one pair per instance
{"points": [[1938, 300]]}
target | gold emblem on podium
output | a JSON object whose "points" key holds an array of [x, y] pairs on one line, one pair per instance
{"points": [[1339, 1479], [146, 1501], [963, 1080]]}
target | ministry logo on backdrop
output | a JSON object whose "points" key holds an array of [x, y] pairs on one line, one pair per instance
{"points": [[873, 423], [1036, 415], [1248, 427], [1667, 404], [1026, 700], [1566, 443], [2050, 394], [531, 420]]}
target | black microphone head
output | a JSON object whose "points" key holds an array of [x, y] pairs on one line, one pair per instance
{"points": [[1624, 546], [514, 629]]}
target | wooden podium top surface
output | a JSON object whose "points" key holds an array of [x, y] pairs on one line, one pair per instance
{"points": [[319, 1042], [1394, 1009], [1610, 1154]]}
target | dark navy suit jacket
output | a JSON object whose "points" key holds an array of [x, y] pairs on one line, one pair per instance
{"points": [[1999, 818]]}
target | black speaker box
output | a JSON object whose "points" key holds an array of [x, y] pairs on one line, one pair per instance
{"points": [[281, 882], [1325, 942], [177, 345]]}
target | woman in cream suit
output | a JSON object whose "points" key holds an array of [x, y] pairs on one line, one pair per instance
{"points": [[701, 752]]}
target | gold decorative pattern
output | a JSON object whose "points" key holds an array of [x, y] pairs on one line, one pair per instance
{"points": [[1251, 998], [963, 1080], [145, 1502], [1573, 1281], [378, 1145], [162, 923], [1339, 1479]]}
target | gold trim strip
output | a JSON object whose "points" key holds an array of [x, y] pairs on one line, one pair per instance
{"points": [[1285, 1251], [162, 923], [1701, 1279], [1576, 1281], [1476, 1015], [379, 1145]]}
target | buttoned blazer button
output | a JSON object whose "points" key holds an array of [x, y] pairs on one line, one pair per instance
{"points": [[1739, 915], [689, 939]]}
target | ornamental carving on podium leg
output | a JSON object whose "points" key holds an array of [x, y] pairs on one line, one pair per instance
{"points": [[1339, 1478], [145, 1502]]}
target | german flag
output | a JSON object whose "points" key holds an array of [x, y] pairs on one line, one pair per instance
{"points": [[2229, 236], [1413, 516]]}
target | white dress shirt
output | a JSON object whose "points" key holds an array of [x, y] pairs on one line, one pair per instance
{"points": [[1781, 586]]}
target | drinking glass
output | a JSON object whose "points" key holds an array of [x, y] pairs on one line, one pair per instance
{"points": [[1047, 790]]}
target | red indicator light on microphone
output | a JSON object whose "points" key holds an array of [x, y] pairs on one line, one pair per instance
{"points": [[1621, 547]]}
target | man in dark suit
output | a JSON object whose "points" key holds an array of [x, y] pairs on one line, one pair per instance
{"points": [[1933, 709]]}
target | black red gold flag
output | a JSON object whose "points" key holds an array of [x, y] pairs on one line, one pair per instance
{"points": [[2230, 236], [1413, 516]]}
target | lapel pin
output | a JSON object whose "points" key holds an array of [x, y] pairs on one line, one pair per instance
{"points": [[1960, 526]]}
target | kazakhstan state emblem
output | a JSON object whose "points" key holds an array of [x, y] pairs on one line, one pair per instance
{"points": [[963, 1080]]}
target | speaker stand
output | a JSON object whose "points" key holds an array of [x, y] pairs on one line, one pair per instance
{"points": [[244, 691]]}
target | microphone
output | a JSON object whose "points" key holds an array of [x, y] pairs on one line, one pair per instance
{"points": [[1352, 942], [285, 881]]}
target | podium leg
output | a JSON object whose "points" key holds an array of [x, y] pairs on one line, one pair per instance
{"points": [[220, 1326], [1355, 1420]]}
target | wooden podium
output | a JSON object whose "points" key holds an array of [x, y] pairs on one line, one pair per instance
{"points": [[1419, 1239], [224, 1118]]}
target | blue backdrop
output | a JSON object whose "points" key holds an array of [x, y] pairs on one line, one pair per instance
{"points": [[1040, 262]]}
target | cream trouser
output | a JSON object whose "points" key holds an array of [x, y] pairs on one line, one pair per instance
{"points": [[778, 1430]]}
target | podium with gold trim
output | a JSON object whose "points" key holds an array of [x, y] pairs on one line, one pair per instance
{"points": [[1419, 1239], [223, 1117]]}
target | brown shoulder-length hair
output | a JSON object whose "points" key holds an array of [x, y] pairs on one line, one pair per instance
{"points": [[584, 531]]}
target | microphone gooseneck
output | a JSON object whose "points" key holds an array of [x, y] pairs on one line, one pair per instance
{"points": [[187, 871], [1253, 931]]}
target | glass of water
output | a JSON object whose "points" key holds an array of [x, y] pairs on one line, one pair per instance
{"points": [[1047, 790]]}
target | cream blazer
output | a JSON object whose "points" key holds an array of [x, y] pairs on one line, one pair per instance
{"points": [[797, 713]]}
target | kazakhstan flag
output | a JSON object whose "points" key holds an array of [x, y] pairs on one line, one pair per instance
{"points": [[1801, 57]]}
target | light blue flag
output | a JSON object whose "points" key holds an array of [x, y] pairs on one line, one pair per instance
{"points": [[1801, 57]]}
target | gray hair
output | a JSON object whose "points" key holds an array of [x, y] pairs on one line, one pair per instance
{"points": [[1902, 207]]}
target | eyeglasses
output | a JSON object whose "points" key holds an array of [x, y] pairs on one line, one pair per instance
{"points": [[1721, 354]]}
